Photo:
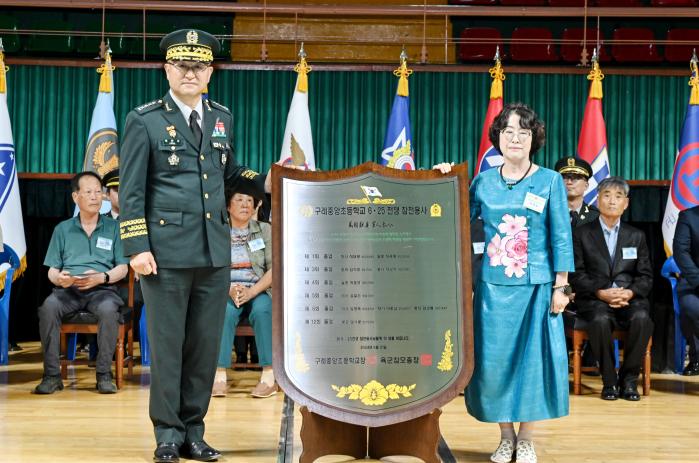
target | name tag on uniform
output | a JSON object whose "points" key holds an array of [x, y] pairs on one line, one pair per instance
{"points": [[256, 245], [478, 247], [104, 243], [534, 202], [629, 253]]}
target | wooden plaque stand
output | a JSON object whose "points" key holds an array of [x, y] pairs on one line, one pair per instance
{"points": [[321, 436]]}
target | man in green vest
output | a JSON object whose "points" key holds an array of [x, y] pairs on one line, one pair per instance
{"points": [[176, 157]]}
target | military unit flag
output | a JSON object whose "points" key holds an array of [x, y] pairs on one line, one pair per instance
{"points": [[398, 143], [297, 145], [488, 156], [684, 188], [10, 206], [592, 144]]}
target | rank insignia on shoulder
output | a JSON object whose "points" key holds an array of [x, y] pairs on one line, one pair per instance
{"points": [[148, 106], [219, 129], [171, 131], [219, 106], [174, 160]]}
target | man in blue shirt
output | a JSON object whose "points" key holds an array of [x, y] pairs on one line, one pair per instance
{"points": [[85, 258]]}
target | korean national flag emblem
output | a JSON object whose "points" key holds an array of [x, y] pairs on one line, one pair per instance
{"points": [[371, 191]]}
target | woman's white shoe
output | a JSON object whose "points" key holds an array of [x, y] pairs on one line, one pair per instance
{"points": [[503, 454], [525, 452]]}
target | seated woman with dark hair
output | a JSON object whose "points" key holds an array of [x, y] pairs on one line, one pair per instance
{"points": [[250, 290]]}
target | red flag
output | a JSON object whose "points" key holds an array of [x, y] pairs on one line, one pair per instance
{"points": [[592, 144], [488, 156]]}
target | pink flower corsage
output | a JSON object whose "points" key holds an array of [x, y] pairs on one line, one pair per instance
{"points": [[510, 250]]}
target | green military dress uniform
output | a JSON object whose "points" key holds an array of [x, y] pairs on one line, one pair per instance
{"points": [[172, 204]]}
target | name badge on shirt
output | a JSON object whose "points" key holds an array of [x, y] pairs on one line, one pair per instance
{"points": [[534, 202], [257, 244], [478, 247], [104, 243], [629, 253]]}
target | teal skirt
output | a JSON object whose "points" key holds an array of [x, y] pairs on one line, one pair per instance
{"points": [[521, 360]]}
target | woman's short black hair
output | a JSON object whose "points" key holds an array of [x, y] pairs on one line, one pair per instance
{"points": [[232, 190], [527, 120]]}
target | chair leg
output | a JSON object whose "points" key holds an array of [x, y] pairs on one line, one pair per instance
{"points": [[577, 363], [130, 349], [64, 356], [119, 367], [646, 370]]}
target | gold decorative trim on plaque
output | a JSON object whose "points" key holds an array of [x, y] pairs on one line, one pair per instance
{"points": [[446, 364], [373, 392], [299, 359]]}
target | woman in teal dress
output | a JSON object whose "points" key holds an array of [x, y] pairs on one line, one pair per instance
{"points": [[521, 363]]}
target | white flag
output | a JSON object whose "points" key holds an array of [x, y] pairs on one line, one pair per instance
{"points": [[297, 147], [10, 206]]}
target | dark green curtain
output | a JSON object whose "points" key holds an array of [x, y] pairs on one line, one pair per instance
{"points": [[51, 107]]}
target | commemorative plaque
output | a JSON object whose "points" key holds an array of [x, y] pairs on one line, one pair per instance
{"points": [[372, 291]]}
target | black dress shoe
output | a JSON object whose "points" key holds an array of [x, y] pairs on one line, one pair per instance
{"points": [[610, 393], [692, 369], [200, 451], [630, 392], [166, 452]]}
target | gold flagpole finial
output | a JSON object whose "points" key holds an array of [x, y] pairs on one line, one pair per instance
{"points": [[694, 79], [302, 69], [497, 73], [3, 69], [402, 73], [106, 71], [596, 77]]}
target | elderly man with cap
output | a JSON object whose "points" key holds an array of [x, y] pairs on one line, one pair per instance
{"points": [[176, 158], [110, 181], [576, 172]]}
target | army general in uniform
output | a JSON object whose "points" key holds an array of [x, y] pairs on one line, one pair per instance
{"points": [[176, 157]]}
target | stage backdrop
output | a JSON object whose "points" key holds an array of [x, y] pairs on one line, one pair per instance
{"points": [[51, 108]]}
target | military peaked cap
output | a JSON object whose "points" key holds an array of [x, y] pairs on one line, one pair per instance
{"points": [[111, 179], [572, 165], [190, 45]]}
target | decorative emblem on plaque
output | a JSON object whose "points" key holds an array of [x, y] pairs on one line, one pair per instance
{"points": [[299, 359], [436, 210], [445, 363], [306, 210], [373, 392]]}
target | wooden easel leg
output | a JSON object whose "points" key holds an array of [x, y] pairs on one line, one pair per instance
{"points": [[417, 438], [323, 436]]}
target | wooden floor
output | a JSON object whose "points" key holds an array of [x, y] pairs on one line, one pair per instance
{"points": [[77, 424]]}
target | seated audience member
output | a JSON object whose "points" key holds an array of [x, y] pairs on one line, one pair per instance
{"points": [[576, 173], [613, 277], [250, 289], [85, 258], [685, 249], [110, 181]]}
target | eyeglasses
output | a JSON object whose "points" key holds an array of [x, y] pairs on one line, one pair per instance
{"points": [[183, 68], [522, 135]]}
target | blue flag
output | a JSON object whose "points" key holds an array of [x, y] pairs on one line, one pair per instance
{"points": [[684, 188], [398, 143], [102, 152]]}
